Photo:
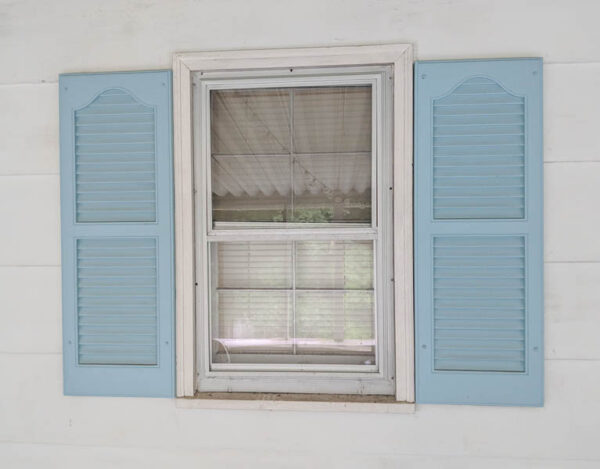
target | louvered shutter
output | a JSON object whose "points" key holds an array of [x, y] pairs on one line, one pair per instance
{"points": [[478, 232], [117, 240]]}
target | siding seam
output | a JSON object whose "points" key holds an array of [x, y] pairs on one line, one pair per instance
{"points": [[174, 448]]}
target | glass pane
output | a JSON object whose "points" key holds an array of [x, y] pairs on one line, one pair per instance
{"points": [[254, 264], [336, 323], [250, 148], [250, 324], [250, 122], [296, 302], [252, 300], [334, 265], [300, 155], [333, 119]]}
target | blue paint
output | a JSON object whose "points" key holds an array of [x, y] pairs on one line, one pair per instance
{"points": [[117, 234], [478, 232]]}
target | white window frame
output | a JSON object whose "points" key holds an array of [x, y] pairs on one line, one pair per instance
{"points": [[399, 57], [284, 377]]}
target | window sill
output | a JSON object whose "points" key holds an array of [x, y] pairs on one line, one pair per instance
{"points": [[296, 402]]}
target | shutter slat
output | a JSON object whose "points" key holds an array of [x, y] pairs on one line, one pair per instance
{"points": [[469, 146], [127, 292], [117, 150]]}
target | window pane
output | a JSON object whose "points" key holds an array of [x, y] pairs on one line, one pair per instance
{"points": [[332, 188], [250, 146], [250, 122], [334, 119], [251, 300], [334, 265], [296, 302], [254, 264], [250, 322], [336, 323], [291, 155]]}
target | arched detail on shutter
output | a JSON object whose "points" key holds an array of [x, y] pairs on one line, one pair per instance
{"points": [[479, 152], [115, 153]]}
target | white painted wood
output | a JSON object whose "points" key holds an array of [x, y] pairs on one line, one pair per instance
{"points": [[571, 215], [26, 456], [184, 230], [399, 56], [403, 233], [558, 30], [571, 101], [30, 315], [29, 143], [566, 428], [572, 319], [284, 58], [298, 406], [306, 233], [29, 214]]}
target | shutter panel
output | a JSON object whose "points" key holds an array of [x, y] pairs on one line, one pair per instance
{"points": [[117, 234], [478, 232]]}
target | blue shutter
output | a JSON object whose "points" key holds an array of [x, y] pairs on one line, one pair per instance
{"points": [[117, 234], [478, 232]]}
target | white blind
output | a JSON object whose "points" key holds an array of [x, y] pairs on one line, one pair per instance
{"points": [[293, 302]]}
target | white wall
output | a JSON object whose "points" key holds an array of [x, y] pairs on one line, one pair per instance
{"points": [[39, 427]]}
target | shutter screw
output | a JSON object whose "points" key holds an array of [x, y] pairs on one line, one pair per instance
{"points": [[535, 349], [166, 342], [535, 72], [423, 76], [423, 346], [164, 84], [70, 342]]}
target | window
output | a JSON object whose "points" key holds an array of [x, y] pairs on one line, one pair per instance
{"points": [[294, 168], [294, 247]]}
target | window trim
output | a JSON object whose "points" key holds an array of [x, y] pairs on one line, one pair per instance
{"points": [[399, 56]]}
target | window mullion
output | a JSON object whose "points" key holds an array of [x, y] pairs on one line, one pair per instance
{"points": [[368, 234], [294, 295], [292, 158]]}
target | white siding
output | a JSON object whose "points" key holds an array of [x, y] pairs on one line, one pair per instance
{"points": [[39, 427]]}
